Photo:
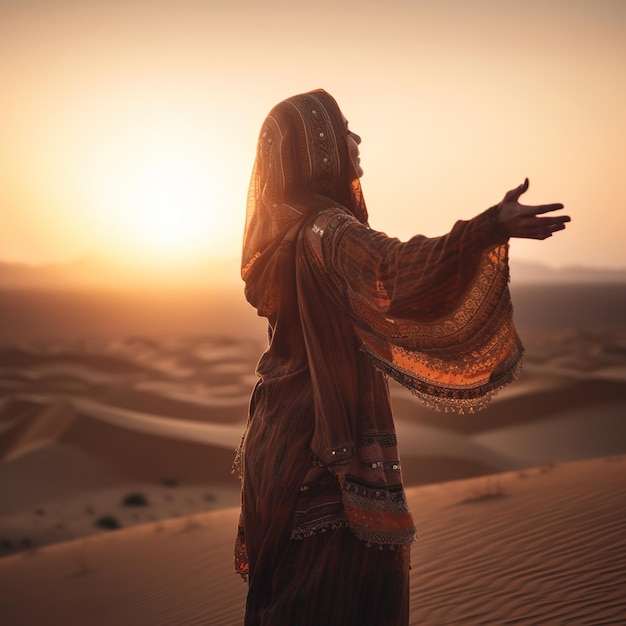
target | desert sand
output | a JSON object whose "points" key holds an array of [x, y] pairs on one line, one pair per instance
{"points": [[118, 506], [542, 546]]}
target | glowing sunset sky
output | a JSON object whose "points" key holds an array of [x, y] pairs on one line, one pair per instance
{"points": [[129, 127]]}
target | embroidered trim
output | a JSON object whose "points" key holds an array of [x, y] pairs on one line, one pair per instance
{"points": [[374, 498], [384, 440], [377, 464], [338, 456], [446, 398], [304, 530], [238, 460], [389, 538]]}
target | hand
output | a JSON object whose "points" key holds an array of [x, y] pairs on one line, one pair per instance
{"points": [[519, 220]]}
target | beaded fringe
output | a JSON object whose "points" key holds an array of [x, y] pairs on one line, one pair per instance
{"points": [[449, 400], [321, 527], [369, 539]]}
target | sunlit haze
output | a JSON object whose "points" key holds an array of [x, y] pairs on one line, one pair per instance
{"points": [[129, 127]]}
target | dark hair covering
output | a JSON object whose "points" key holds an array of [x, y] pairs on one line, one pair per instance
{"points": [[302, 166]]}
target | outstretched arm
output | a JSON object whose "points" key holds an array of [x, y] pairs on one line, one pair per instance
{"points": [[520, 220]]}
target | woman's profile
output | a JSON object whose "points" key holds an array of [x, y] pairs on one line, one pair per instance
{"points": [[325, 533]]}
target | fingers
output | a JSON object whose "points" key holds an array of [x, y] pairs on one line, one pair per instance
{"points": [[514, 194], [547, 230], [545, 222], [524, 185], [542, 236], [539, 228], [523, 221], [542, 208], [539, 223]]}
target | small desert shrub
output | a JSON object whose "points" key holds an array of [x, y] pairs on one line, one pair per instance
{"points": [[135, 499], [170, 482], [209, 497], [108, 522]]}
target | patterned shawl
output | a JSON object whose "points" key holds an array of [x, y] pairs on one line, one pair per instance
{"points": [[433, 313], [302, 166]]}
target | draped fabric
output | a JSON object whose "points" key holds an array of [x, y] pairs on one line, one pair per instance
{"points": [[331, 580], [348, 306], [302, 165]]}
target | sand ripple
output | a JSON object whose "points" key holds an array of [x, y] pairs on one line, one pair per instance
{"points": [[546, 547]]}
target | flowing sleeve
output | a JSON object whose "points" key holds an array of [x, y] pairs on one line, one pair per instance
{"points": [[435, 314]]}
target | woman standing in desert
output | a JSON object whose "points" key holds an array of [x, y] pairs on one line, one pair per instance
{"points": [[325, 533]]}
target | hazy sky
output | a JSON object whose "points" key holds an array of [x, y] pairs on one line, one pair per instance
{"points": [[129, 127]]}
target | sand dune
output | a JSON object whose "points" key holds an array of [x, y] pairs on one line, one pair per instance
{"points": [[146, 446], [417, 440], [547, 546], [549, 550], [570, 435], [84, 423], [50, 473], [62, 453], [57, 419], [161, 399], [89, 419]]}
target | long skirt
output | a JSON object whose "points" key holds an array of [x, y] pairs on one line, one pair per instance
{"points": [[332, 579]]}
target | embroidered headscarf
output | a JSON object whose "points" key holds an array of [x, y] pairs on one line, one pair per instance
{"points": [[302, 166]]}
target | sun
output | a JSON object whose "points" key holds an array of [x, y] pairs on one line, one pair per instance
{"points": [[165, 205], [163, 198], [169, 206]]}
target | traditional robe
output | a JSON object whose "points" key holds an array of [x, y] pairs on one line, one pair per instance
{"points": [[348, 306]]}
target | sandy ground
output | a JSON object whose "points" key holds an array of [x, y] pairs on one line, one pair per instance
{"points": [[86, 424], [542, 546], [118, 506]]}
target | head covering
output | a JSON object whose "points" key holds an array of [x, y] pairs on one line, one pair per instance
{"points": [[302, 166]]}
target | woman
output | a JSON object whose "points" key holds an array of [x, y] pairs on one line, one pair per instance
{"points": [[325, 531]]}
